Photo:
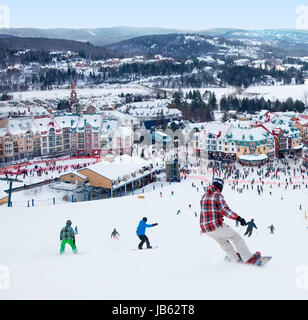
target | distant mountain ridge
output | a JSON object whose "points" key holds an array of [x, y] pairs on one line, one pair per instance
{"points": [[105, 36], [8, 42], [129, 41], [178, 46], [97, 36]]}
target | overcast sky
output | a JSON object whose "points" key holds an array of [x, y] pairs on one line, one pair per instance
{"points": [[189, 14]]}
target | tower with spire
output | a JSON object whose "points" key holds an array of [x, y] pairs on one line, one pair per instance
{"points": [[75, 107]]}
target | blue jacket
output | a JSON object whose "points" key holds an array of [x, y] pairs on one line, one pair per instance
{"points": [[141, 228], [251, 225]]}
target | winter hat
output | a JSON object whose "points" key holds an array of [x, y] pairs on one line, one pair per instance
{"points": [[145, 219], [68, 222], [219, 183]]}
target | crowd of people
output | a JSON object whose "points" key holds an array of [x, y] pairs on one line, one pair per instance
{"points": [[46, 171], [282, 173]]}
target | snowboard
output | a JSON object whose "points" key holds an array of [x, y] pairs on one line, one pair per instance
{"points": [[261, 262], [136, 249]]}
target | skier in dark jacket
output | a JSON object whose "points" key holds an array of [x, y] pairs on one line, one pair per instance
{"points": [[271, 229], [115, 234], [250, 226], [141, 232]]}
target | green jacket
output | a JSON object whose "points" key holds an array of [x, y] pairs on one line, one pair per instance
{"points": [[67, 233]]}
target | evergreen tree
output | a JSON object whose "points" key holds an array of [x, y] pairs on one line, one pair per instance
{"points": [[299, 106], [213, 102], [224, 105], [177, 98]]}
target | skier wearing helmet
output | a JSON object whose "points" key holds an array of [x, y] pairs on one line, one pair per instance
{"points": [[67, 236], [213, 210], [141, 232]]}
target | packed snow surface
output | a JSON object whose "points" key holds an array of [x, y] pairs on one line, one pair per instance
{"points": [[185, 266]]}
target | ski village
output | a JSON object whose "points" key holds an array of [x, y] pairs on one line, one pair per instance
{"points": [[104, 165], [153, 164]]}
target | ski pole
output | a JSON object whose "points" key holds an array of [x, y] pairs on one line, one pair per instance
{"points": [[241, 230]]}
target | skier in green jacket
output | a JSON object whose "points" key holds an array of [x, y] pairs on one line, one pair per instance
{"points": [[67, 236]]}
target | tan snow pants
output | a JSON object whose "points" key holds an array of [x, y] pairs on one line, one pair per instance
{"points": [[226, 236]]}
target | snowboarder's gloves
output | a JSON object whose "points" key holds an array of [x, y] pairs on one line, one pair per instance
{"points": [[155, 224], [241, 221]]}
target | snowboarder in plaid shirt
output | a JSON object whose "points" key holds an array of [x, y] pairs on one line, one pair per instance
{"points": [[67, 236], [213, 210]]}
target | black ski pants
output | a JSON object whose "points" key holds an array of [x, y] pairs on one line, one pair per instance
{"points": [[143, 239], [248, 232]]}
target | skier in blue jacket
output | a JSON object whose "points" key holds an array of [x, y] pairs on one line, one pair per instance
{"points": [[250, 226], [141, 232]]}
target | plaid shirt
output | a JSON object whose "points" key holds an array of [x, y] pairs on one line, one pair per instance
{"points": [[67, 233], [213, 208]]}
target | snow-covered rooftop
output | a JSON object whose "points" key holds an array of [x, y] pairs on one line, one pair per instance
{"points": [[253, 134], [257, 157], [121, 166]]}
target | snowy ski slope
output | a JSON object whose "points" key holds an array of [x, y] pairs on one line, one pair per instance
{"points": [[185, 266]]}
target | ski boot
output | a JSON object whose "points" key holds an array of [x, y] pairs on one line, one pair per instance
{"points": [[254, 258]]}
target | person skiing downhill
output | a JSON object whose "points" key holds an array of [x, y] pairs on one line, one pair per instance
{"points": [[250, 226], [271, 227], [115, 234], [141, 232], [67, 236], [213, 210]]}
